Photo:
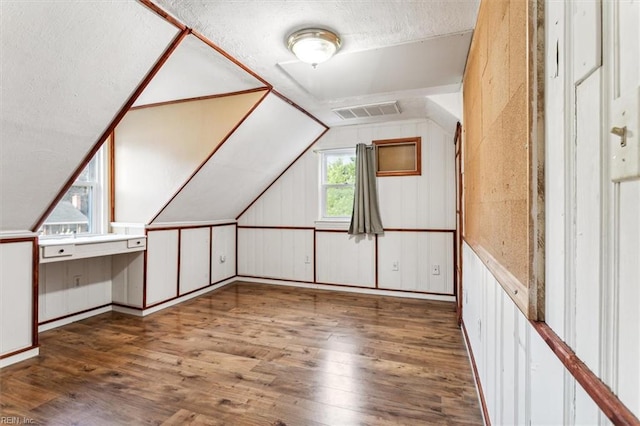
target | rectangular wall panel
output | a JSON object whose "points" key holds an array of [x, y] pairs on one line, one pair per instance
{"points": [[346, 260], [588, 219], [16, 296], [162, 266], [276, 253], [223, 253], [407, 261], [195, 245]]}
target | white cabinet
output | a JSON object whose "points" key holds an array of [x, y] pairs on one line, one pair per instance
{"points": [[162, 266]]}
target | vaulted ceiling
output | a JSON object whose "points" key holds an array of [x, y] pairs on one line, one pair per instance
{"points": [[71, 70]]}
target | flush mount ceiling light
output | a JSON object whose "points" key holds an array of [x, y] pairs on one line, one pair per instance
{"points": [[314, 45]]}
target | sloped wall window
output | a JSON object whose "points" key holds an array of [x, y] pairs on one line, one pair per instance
{"points": [[337, 182], [82, 209]]}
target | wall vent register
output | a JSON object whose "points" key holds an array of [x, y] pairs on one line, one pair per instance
{"points": [[366, 111]]}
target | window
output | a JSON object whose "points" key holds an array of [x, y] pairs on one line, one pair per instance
{"points": [[337, 183], [82, 209]]}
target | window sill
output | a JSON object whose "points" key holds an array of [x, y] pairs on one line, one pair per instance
{"points": [[333, 225]]}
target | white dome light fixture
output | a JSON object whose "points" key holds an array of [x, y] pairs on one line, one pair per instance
{"points": [[314, 45]]}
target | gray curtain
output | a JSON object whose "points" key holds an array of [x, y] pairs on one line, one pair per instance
{"points": [[365, 218]]}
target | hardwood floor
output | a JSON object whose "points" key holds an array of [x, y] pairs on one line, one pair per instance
{"points": [[252, 354]]}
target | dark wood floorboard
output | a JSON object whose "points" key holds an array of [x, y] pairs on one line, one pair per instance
{"points": [[251, 354]]}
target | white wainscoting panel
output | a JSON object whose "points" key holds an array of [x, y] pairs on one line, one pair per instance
{"points": [[523, 381], [73, 286], [276, 253], [223, 253], [416, 254], [16, 296], [127, 279], [162, 265], [195, 245], [342, 259]]}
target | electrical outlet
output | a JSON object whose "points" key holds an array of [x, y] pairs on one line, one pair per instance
{"points": [[395, 266], [76, 280], [435, 269], [223, 258]]}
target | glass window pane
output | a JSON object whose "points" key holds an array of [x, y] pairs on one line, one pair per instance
{"points": [[340, 168], [339, 201], [89, 173], [72, 215]]}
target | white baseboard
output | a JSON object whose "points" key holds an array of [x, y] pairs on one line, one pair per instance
{"points": [[73, 318], [19, 357], [195, 294], [373, 291]]}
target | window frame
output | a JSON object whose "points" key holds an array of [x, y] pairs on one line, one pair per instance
{"points": [[415, 141], [99, 203], [323, 186]]}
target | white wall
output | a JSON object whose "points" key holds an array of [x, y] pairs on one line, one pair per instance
{"points": [[276, 253], [523, 381], [16, 296], [223, 252], [592, 239], [182, 260], [407, 202], [416, 261], [343, 259]]}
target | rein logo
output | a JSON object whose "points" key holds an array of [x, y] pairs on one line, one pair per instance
{"points": [[15, 420]]}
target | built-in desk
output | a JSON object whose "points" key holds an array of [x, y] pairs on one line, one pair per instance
{"points": [[61, 249]]}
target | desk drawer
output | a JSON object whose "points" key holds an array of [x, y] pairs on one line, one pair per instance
{"points": [[137, 243], [59, 250]]}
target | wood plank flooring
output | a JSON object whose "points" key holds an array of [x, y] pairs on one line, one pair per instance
{"points": [[251, 354]]}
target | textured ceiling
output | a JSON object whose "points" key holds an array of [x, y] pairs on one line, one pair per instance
{"points": [[254, 32]]}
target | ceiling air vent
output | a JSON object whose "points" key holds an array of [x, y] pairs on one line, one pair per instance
{"points": [[365, 111]]}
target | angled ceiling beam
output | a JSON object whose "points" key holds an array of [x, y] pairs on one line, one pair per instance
{"points": [[164, 15], [119, 116], [199, 98]]}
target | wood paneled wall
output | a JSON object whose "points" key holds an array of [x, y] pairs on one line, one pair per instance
{"points": [[410, 204]]}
